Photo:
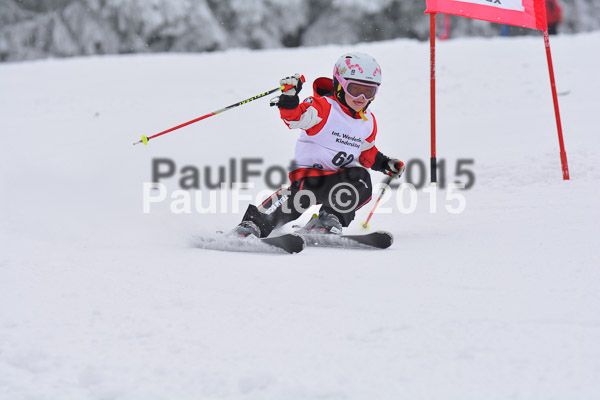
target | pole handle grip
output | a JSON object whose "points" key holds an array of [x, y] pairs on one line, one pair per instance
{"points": [[285, 88]]}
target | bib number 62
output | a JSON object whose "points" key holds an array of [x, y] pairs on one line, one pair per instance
{"points": [[342, 159]]}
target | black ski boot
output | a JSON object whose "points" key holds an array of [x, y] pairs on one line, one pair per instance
{"points": [[246, 228], [325, 222]]}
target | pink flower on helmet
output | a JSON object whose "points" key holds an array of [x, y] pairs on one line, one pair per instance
{"points": [[355, 65]]}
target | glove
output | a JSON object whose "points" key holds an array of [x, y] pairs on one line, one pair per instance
{"points": [[394, 168], [293, 85], [289, 99]]}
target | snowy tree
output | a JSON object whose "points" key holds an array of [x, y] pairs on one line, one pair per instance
{"points": [[59, 28]]}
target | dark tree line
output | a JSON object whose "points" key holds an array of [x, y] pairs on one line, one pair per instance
{"points": [[32, 29]]}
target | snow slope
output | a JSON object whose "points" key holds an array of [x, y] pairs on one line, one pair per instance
{"points": [[101, 301]]}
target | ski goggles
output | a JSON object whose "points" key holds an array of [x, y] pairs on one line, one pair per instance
{"points": [[356, 89]]}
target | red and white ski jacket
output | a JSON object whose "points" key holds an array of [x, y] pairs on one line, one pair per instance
{"points": [[333, 137]]}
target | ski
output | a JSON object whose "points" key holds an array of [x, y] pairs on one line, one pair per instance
{"points": [[289, 243], [373, 240]]}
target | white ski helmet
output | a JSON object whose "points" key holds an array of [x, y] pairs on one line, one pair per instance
{"points": [[357, 66]]}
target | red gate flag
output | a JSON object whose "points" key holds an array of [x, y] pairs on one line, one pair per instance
{"points": [[524, 13]]}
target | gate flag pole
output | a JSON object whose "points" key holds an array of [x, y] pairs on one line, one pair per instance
{"points": [[433, 162], [561, 143]]}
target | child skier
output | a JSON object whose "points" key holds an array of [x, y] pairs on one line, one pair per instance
{"points": [[337, 137]]}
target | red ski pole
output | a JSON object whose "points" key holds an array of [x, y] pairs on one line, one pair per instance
{"points": [[283, 88], [386, 184]]}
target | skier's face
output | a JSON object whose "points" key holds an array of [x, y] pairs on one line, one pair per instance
{"points": [[356, 103]]}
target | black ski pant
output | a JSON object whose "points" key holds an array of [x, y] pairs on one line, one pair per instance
{"points": [[341, 194]]}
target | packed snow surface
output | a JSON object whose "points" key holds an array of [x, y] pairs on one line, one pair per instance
{"points": [[99, 300]]}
